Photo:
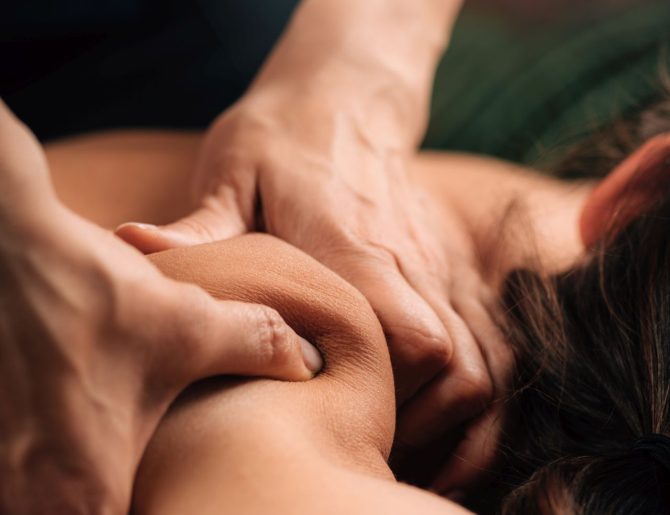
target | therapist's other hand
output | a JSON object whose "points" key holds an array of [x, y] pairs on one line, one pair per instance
{"points": [[95, 344], [327, 174]]}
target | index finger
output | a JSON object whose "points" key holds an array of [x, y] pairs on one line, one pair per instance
{"points": [[418, 341]]}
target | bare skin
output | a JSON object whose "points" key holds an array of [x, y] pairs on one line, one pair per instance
{"points": [[77, 286], [324, 139], [92, 346], [470, 195], [321, 143]]}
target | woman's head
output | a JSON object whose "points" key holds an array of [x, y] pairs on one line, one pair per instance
{"points": [[592, 381]]}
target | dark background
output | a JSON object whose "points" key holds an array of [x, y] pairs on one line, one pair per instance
{"points": [[521, 77]]}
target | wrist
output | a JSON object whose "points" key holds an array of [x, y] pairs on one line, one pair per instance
{"points": [[387, 111], [381, 51], [403, 34]]}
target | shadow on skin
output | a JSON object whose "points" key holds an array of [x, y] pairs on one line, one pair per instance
{"points": [[345, 416]]}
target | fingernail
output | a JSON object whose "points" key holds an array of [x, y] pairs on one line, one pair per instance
{"points": [[146, 227], [311, 356]]}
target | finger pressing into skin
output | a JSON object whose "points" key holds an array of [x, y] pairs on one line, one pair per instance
{"points": [[419, 344], [216, 219], [474, 456], [497, 353], [476, 453], [213, 337], [431, 289], [461, 392]]}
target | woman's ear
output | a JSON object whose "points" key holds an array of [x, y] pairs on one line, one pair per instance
{"points": [[637, 180]]}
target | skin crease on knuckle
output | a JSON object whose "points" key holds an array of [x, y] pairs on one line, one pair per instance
{"points": [[273, 338]]}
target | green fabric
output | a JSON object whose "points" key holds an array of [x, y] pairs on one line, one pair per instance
{"points": [[518, 94]]}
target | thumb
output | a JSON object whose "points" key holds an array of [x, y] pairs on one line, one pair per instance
{"points": [[213, 221], [215, 337]]}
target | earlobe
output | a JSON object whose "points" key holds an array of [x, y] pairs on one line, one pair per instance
{"points": [[637, 180]]}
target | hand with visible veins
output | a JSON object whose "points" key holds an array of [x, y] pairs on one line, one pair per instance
{"points": [[95, 344], [316, 153], [471, 195]]}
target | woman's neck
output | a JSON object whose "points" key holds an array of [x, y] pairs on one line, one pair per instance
{"points": [[502, 216]]}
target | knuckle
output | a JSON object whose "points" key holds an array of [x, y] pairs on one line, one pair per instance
{"points": [[437, 350], [431, 349], [475, 387], [274, 339]]}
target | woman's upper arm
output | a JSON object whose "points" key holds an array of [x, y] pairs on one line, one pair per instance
{"points": [[226, 449], [261, 446], [356, 381]]}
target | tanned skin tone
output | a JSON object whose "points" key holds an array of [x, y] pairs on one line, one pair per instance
{"points": [[92, 339], [321, 143], [323, 138], [319, 447]]}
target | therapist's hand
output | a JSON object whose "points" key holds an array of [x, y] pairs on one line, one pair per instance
{"points": [[316, 153], [95, 344], [327, 174]]}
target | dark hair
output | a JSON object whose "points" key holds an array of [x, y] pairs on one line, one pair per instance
{"points": [[592, 352]]}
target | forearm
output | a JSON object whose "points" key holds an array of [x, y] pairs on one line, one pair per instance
{"points": [[376, 51]]}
